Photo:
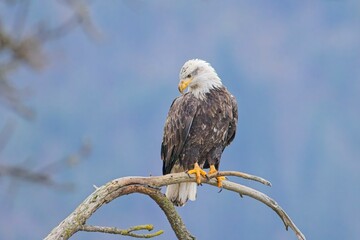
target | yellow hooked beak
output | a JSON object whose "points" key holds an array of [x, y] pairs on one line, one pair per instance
{"points": [[184, 84]]}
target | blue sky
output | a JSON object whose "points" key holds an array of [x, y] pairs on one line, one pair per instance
{"points": [[293, 68]]}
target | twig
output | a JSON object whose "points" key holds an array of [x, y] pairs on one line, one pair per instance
{"points": [[148, 185], [242, 175], [124, 232]]}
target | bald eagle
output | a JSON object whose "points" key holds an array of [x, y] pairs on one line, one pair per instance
{"points": [[199, 125]]}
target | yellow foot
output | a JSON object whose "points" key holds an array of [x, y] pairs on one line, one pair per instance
{"points": [[198, 173], [219, 179]]}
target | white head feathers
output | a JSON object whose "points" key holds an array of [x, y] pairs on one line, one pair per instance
{"points": [[202, 77]]}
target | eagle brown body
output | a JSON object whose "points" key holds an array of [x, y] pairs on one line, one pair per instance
{"points": [[197, 130]]}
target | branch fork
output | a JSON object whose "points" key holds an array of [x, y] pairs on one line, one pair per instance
{"points": [[150, 186]]}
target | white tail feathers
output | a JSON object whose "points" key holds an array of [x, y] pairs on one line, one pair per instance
{"points": [[180, 193]]}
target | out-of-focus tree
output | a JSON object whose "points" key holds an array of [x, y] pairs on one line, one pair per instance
{"points": [[23, 45]]}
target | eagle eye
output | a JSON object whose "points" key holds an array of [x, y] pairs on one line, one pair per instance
{"points": [[188, 76]]}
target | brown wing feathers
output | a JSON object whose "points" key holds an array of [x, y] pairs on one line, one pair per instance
{"points": [[176, 130]]}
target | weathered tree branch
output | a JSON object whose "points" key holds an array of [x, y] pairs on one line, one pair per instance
{"points": [[124, 232], [149, 185]]}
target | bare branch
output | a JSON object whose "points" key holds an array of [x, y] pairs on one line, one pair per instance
{"points": [[13, 98], [241, 175], [19, 48], [243, 190], [149, 186], [168, 208], [44, 175], [27, 175], [124, 232], [80, 18], [28, 49]]}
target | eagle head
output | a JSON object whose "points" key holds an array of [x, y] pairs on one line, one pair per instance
{"points": [[199, 77]]}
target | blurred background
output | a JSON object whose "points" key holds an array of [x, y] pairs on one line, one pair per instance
{"points": [[85, 87]]}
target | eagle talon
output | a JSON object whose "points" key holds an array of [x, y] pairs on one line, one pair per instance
{"points": [[198, 173], [219, 179]]}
